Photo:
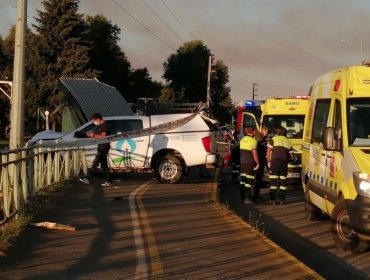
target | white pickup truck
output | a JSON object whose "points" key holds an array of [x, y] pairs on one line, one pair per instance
{"points": [[170, 154]]}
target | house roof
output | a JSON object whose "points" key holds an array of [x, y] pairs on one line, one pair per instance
{"points": [[93, 96]]}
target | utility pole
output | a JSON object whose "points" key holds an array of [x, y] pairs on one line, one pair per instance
{"points": [[254, 89], [17, 99], [208, 101]]}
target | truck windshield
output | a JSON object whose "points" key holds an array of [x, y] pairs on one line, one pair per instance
{"points": [[358, 110], [293, 123]]}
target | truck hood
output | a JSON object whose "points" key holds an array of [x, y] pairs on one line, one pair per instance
{"points": [[362, 158], [44, 135]]}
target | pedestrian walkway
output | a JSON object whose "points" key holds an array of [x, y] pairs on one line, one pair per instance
{"points": [[179, 233]]}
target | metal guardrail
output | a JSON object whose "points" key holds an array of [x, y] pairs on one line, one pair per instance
{"points": [[25, 171]]}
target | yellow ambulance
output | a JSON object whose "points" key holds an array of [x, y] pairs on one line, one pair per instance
{"points": [[289, 112], [336, 155]]}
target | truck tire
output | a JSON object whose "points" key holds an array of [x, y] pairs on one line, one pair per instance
{"points": [[311, 211], [343, 234], [168, 169]]}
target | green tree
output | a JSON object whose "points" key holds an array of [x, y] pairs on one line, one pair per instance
{"points": [[107, 57], [8, 54], [142, 85], [33, 99], [186, 71], [4, 101], [62, 48], [221, 103], [105, 53]]}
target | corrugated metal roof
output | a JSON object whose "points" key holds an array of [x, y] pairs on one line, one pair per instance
{"points": [[94, 96]]}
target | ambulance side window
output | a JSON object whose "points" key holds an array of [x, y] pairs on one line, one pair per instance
{"points": [[320, 119]]}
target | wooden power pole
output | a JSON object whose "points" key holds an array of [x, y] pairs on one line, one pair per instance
{"points": [[17, 99], [208, 101]]}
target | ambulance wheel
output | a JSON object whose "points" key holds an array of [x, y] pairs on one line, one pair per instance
{"points": [[312, 212], [343, 234], [168, 169], [359, 245]]}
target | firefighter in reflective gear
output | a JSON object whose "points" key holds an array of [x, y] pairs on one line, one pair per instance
{"points": [[278, 155], [249, 163]]}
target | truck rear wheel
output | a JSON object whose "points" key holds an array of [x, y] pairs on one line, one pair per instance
{"points": [[343, 234], [168, 169], [312, 212]]}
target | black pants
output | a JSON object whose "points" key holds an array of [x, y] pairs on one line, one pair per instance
{"points": [[101, 158], [278, 174]]}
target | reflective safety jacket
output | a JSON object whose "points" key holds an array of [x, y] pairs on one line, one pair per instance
{"points": [[247, 145], [281, 146]]}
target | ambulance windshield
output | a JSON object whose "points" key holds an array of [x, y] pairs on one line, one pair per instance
{"points": [[358, 121], [293, 124]]}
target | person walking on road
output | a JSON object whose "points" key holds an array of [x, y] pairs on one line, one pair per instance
{"points": [[249, 163], [261, 137], [278, 155], [100, 131]]}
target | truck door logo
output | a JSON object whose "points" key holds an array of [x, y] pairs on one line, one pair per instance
{"points": [[124, 147]]}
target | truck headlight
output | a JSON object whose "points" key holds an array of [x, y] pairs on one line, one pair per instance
{"points": [[362, 183]]}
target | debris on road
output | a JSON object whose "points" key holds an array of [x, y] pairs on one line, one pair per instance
{"points": [[56, 226]]}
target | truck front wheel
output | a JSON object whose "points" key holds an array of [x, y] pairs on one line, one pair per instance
{"points": [[168, 169], [343, 234]]}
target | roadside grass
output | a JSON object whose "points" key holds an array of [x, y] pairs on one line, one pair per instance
{"points": [[11, 231]]}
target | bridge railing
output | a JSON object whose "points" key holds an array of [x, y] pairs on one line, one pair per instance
{"points": [[25, 171]]}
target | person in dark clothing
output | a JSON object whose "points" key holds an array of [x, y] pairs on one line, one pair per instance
{"points": [[261, 137], [278, 155], [235, 157], [249, 163], [100, 130]]}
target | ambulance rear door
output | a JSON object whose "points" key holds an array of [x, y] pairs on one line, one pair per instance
{"points": [[249, 120]]}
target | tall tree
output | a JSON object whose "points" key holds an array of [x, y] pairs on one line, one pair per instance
{"points": [[33, 99], [221, 103], [8, 54], [142, 85], [4, 101], [186, 71], [61, 47], [105, 53]]}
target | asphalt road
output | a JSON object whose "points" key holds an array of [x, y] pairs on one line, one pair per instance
{"points": [[310, 242], [140, 229]]}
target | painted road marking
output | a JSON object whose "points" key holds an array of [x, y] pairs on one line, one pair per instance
{"points": [[148, 261]]}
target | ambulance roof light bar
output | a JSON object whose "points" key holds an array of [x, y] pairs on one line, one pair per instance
{"points": [[253, 103], [292, 97]]}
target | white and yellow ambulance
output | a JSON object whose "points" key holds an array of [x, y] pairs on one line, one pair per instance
{"points": [[289, 112], [336, 155]]}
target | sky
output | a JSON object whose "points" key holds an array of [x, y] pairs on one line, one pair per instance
{"points": [[280, 45]]}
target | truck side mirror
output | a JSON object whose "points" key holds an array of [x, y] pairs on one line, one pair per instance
{"points": [[331, 138]]}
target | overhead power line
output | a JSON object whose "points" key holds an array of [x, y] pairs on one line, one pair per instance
{"points": [[177, 19], [142, 25], [161, 20]]}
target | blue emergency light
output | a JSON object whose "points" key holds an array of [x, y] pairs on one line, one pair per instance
{"points": [[249, 103]]}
